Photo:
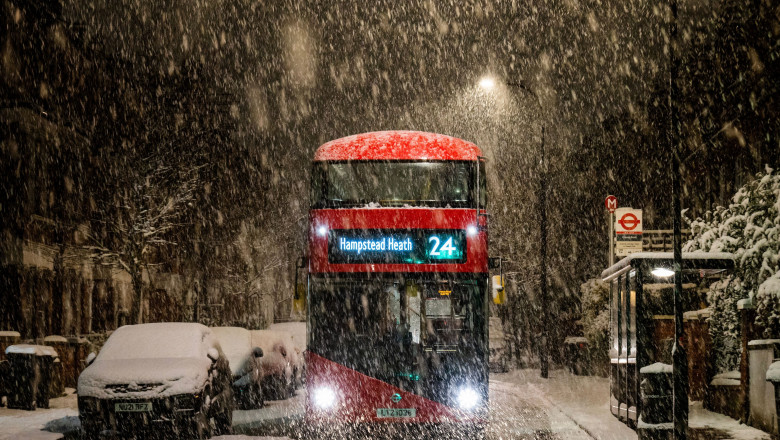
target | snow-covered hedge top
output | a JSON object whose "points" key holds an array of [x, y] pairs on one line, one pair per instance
{"points": [[575, 340], [11, 334], [55, 338], [729, 378], [656, 368], [773, 373], [38, 350], [760, 342]]}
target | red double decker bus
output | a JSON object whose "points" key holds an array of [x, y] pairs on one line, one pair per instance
{"points": [[397, 296]]}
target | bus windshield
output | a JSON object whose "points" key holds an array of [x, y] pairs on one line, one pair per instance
{"points": [[377, 326], [393, 183]]}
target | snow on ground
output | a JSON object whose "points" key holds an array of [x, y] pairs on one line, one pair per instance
{"points": [[701, 419], [62, 416], [516, 412], [584, 399], [522, 406], [276, 417]]}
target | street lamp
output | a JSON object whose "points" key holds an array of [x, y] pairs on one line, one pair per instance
{"points": [[487, 83], [679, 357]]}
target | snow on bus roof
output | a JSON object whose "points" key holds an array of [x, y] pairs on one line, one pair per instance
{"points": [[699, 255], [398, 145]]}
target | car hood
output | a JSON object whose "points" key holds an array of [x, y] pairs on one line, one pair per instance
{"points": [[143, 378]]}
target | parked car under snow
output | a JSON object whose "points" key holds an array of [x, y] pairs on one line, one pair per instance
{"points": [[245, 366], [150, 377], [276, 363]]}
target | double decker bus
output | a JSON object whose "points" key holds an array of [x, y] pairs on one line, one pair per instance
{"points": [[397, 298]]}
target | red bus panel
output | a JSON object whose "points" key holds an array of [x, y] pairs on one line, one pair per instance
{"points": [[398, 145]]}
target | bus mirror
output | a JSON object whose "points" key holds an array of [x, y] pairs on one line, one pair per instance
{"points": [[302, 262]]}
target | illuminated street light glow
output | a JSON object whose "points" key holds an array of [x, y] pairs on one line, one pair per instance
{"points": [[662, 272], [487, 83]]}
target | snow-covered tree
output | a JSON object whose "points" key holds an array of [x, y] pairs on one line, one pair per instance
{"points": [[143, 217], [595, 313], [750, 228]]}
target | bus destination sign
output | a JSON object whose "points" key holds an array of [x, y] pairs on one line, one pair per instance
{"points": [[415, 246]]}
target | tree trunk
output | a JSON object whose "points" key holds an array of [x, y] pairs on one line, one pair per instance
{"points": [[137, 311]]}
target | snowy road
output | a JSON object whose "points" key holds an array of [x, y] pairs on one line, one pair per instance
{"points": [[516, 412]]}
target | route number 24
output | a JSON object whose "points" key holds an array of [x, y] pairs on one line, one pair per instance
{"points": [[447, 247]]}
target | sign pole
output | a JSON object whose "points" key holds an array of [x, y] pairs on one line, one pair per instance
{"points": [[611, 203], [611, 238]]}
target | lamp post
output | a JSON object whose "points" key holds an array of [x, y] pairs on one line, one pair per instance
{"points": [[488, 83], [679, 357]]}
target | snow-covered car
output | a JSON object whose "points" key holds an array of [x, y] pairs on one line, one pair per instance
{"points": [[155, 377], [276, 363], [245, 365], [499, 355], [297, 333]]}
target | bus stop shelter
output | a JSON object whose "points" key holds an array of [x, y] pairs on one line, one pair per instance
{"points": [[641, 315]]}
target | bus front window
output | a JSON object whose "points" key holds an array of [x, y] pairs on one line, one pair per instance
{"points": [[391, 183]]}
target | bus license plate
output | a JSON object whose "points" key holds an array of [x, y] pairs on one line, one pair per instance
{"points": [[133, 406], [384, 413]]}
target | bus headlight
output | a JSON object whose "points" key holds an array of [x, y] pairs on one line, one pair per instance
{"points": [[468, 398], [324, 397]]}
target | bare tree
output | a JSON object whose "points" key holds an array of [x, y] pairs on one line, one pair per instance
{"points": [[142, 219]]}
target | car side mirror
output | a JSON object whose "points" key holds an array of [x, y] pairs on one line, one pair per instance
{"points": [[213, 354], [91, 358], [257, 352]]}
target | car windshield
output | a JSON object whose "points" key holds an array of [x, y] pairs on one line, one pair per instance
{"points": [[392, 183], [153, 341]]}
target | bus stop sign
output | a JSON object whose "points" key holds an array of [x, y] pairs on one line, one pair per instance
{"points": [[628, 229]]}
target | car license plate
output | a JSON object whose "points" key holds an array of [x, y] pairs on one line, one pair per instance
{"points": [[133, 406], [384, 413]]}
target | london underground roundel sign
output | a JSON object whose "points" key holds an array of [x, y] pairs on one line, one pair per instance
{"points": [[629, 221]]}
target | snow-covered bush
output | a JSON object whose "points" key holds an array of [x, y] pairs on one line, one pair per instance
{"points": [[725, 323], [750, 228], [595, 314]]}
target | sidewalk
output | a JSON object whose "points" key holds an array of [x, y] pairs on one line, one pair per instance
{"points": [[41, 424], [585, 399]]}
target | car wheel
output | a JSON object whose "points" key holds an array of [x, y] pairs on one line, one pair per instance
{"points": [[256, 396], [90, 433], [199, 427]]}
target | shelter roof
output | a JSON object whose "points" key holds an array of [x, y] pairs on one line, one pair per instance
{"points": [[691, 260]]}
